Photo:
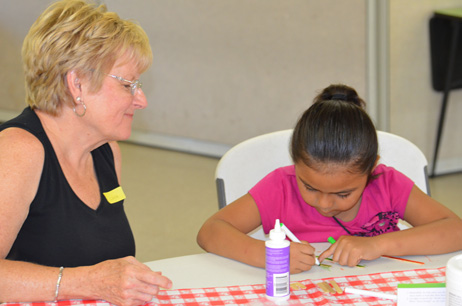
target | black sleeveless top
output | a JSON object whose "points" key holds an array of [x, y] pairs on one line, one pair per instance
{"points": [[61, 230]]}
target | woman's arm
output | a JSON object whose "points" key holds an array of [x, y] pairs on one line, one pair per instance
{"points": [[122, 281], [21, 165], [21, 162]]}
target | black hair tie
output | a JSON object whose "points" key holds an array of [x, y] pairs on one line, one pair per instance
{"points": [[341, 97]]}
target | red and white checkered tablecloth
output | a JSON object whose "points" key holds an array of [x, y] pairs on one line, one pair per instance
{"points": [[312, 295]]}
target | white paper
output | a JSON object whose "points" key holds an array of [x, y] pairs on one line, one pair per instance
{"points": [[421, 295]]}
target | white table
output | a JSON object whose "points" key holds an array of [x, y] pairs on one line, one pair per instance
{"points": [[210, 270]]}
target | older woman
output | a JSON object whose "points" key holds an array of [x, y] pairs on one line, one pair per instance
{"points": [[63, 230]]}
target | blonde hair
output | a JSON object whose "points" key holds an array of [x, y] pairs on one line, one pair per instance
{"points": [[81, 36]]}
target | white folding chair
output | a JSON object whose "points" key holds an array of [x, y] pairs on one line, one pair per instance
{"points": [[249, 161]]}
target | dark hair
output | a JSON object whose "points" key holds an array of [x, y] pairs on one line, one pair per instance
{"points": [[336, 129]]}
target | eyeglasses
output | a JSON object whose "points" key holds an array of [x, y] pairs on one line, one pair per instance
{"points": [[134, 85]]}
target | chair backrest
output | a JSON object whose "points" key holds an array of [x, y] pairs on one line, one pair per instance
{"points": [[401, 154], [249, 161], [245, 164]]}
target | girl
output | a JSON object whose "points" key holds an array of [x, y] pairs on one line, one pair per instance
{"points": [[335, 188]]}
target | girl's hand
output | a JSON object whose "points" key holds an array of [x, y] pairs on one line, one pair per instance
{"points": [[350, 250], [301, 257], [126, 281]]}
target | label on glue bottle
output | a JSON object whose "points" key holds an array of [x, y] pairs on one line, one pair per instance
{"points": [[277, 265]]}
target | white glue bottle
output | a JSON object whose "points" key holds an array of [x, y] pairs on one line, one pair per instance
{"points": [[454, 281], [277, 265]]}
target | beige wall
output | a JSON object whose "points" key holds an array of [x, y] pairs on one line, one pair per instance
{"points": [[414, 105], [227, 70]]}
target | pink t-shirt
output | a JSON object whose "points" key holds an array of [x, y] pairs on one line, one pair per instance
{"points": [[383, 202]]}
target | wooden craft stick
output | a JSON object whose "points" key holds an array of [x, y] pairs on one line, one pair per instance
{"points": [[297, 286], [336, 286], [322, 286], [325, 287]]}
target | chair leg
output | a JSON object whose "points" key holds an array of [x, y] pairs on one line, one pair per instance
{"points": [[447, 88], [439, 131]]}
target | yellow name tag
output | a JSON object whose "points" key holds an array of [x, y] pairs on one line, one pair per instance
{"points": [[115, 195]]}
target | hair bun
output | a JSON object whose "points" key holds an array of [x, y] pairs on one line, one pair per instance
{"points": [[340, 92]]}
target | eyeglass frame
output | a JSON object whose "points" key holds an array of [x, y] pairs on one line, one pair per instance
{"points": [[134, 85]]}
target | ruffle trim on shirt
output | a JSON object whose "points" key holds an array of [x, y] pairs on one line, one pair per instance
{"points": [[383, 222]]}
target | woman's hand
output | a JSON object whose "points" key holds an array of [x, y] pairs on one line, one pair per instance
{"points": [[125, 282], [350, 250], [302, 257]]}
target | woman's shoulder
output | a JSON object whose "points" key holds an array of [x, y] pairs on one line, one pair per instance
{"points": [[24, 127], [18, 139], [21, 151]]}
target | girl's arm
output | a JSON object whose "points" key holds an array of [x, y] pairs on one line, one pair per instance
{"points": [[436, 230], [225, 234]]}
